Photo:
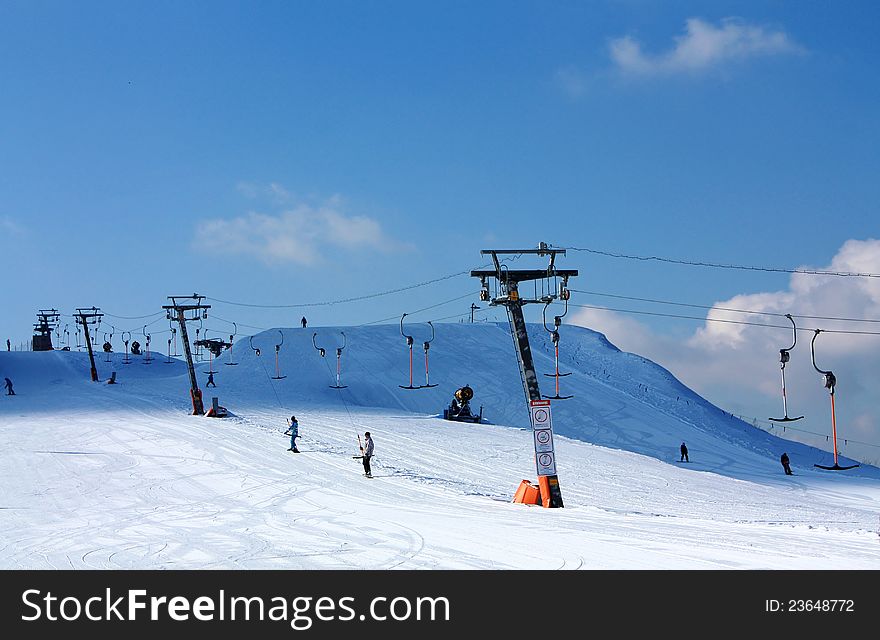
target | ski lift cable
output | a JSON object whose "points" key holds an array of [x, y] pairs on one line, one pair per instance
{"points": [[364, 297], [433, 306], [271, 384], [258, 355], [466, 315], [342, 397], [769, 425], [717, 265], [743, 322], [147, 325], [110, 315], [241, 324], [702, 306], [335, 377], [346, 300]]}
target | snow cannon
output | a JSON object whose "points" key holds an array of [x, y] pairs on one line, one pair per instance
{"points": [[135, 348], [460, 409]]}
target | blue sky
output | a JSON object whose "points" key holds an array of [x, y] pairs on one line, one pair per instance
{"points": [[291, 152]]}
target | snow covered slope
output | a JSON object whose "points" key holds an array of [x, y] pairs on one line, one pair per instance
{"points": [[621, 400], [121, 476]]}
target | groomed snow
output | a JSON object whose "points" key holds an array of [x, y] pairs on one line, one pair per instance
{"points": [[121, 476]]}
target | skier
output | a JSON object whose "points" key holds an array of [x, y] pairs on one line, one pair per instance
{"points": [[293, 432], [303, 321], [210, 382], [785, 464], [367, 450], [684, 453], [8, 346], [8, 385]]}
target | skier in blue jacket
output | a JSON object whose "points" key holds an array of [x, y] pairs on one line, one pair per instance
{"points": [[293, 432]]}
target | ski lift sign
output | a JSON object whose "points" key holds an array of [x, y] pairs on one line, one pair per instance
{"points": [[542, 427]]}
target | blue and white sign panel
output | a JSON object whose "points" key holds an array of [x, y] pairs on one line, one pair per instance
{"points": [[542, 427]]}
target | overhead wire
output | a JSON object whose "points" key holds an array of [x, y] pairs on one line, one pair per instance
{"points": [[240, 324], [710, 307], [755, 422], [719, 265], [722, 320], [410, 313], [345, 300], [150, 315]]}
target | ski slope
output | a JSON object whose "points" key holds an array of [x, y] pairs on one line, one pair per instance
{"points": [[121, 476]]}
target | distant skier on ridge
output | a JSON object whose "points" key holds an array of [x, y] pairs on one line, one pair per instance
{"points": [[684, 453], [303, 321]]}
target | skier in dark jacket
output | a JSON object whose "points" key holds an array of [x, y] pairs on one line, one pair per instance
{"points": [[303, 321], [367, 450], [8, 385], [210, 382], [684, 453], [786, 464], [293, 432]]}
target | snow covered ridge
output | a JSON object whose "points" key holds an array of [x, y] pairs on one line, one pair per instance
{"points": [[121, 476]]}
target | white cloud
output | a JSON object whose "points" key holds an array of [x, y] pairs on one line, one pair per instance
{"points": [[737, 366], [621, 330], [273, 192], [8, 226], [572, 81], [301, 234], [703, 46]]}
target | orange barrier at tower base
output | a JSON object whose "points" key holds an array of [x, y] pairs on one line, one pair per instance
{"points": [[527, 493], [544, 482]]}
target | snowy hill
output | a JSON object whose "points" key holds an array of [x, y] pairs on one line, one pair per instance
{"points": [[122, 476]]}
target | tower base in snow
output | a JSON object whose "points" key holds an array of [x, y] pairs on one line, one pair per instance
{"points": [[542, 494]]}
